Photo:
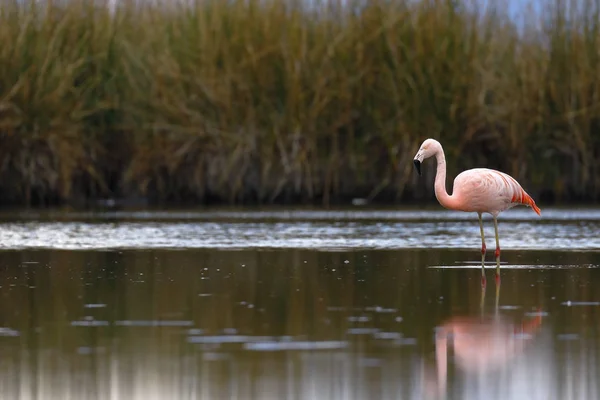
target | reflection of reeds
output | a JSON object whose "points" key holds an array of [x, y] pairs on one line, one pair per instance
{"points": [[266, 101], [310, 296]]}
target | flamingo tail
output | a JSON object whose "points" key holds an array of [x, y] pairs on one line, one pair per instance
{"points": [[521, 197], [527, 200]]}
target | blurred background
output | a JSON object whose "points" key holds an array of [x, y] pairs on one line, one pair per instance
{"points": [[261, 102]]}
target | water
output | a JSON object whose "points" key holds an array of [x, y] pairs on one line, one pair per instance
{"points": [[520, 229], [298, 305]]}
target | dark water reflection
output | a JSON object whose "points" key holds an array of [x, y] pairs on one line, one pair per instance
{"points": [[297, 324]]}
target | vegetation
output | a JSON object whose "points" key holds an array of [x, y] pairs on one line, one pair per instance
{"points": [[266, 101]]}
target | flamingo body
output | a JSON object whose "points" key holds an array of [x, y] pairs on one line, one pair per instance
{"points": [[479, 190], [484, 190]]}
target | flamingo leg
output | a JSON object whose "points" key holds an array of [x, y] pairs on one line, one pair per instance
{"points": [[482, 250], [497, 250]]}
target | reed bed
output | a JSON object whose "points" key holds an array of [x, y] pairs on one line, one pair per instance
{"points": [[281, 102]]}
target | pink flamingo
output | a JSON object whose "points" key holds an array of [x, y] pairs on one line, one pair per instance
{"points": [[475, 190]]}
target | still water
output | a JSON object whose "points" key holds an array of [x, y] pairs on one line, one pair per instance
{"points": [[298, 305]]}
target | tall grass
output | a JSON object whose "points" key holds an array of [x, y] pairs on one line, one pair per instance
{"points": [[269, 101]]}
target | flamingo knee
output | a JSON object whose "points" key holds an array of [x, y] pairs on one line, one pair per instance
{"points": [[497, 252]]}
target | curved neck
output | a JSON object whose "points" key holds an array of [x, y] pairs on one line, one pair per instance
{"points": [[443, 197]]}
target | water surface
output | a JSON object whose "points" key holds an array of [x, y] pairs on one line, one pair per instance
{"points": [[298, 305], [520, 229]]}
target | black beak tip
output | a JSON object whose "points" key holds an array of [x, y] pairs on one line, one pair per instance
{"points": [[418, 166]]}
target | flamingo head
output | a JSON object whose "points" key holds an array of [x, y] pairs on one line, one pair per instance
{"points": [[428, 149]]}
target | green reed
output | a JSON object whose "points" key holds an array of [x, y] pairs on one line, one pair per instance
{"points": [[270, 101]]}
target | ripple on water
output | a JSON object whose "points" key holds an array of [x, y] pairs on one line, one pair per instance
{"points": [[280, 346], [91, 322], [568, 336], [362, 331], [520, 229], [387, 335], [282, 343], [8, 332], [92, 305], [580, 303]]}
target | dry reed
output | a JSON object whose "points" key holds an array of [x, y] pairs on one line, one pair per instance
{"points": [[269, 101]]}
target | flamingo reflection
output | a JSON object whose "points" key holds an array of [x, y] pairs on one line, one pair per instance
{"points": [[480, 344]]}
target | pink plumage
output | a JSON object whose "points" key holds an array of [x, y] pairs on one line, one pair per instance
{"points": [[487, 190], [479, 190]]}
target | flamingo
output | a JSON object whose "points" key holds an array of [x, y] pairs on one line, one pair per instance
{"points": [[479, 190]]}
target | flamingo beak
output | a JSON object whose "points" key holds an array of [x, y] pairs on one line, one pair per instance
{"points": [[418, 166]]}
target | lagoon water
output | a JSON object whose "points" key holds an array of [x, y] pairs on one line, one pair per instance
{"points": [[298, 304]]}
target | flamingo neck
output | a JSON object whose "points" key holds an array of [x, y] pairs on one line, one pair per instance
{"points": [[446, 200]]}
